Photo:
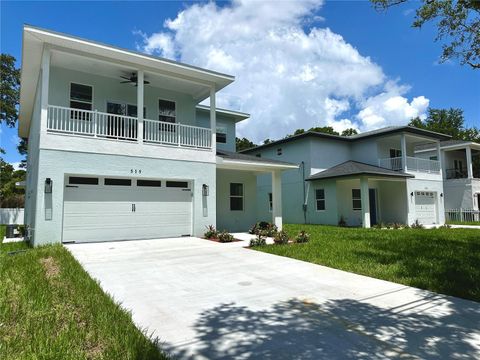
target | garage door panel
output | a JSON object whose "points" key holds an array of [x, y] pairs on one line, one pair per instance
{"points": [[104, 213], [425, 207]]}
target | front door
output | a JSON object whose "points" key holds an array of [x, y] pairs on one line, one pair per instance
{"points": [[372, 195]]}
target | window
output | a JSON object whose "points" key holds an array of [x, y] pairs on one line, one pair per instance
{"points": [[118, 182], [279, 151], [81, 97], [177, 184], [124, 109], [151, 183], [270, 202], [77, 180], [166, 111], [433, 158], [221, 134], [394, 153], [258, 155], [356, 199], [320, 199], [236, 197]]}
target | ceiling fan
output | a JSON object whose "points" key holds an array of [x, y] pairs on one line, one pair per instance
{"points": [[132, 79]]}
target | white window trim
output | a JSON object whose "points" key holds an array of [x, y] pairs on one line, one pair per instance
{"points": [[80, 101], [324, 201], [236, 196], [158, 109], [359, 198]]}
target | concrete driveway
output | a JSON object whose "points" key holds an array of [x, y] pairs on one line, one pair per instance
{"points": [[206, 300]]}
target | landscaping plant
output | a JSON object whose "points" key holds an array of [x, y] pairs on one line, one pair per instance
{"points": [[259, 240], [281, 237], [225, 236], [302, 237], [211, 232]]}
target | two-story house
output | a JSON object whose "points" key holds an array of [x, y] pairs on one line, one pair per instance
{"points": [[461, 163], [119, 147], [362, 179]]}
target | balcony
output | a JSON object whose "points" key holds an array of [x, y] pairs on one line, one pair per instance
{"points": [[413, 164], [461, 173], [101, 125]]}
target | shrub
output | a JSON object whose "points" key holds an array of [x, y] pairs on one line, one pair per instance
{"points": [[259, 240], [254, 229], [417, 225], [225, 236], [281, 237], [342, 222], [211, 232], [397, 225], [268, 228], [302, 237]]}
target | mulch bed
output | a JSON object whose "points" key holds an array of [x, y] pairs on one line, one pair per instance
{"points": [[216, 240]]}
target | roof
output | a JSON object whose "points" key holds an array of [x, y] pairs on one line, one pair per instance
{"points": [[237, 158], [351, 168], [374, 133], [447, 144], [35, 38], [236, 115]]}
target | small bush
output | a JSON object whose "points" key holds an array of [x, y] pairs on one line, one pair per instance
{"points": [[268, 228], [211, 232], [254, 229], [397, 225], [259, 240], [302, 237], [417, 225], [225, 236], [281, 237], [342, 222]]}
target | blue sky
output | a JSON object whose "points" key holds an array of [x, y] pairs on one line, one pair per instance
{"points": [[399, 53]]}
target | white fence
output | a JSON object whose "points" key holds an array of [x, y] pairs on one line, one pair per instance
{"points": [[11, 216], [462, 215], [413, 164]]}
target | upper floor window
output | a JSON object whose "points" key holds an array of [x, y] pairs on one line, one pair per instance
{"points": [[320, 199], [166, 111], [81, 96], [258, 155], [434, 158], [394, 153], [279, 151], [356, 199], [221, 134]]}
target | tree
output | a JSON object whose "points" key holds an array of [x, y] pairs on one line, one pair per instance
{"points": [[450, 122], [458, 22], [243, 144], [324, 130], [267, 141], [9, 90], [349, 132], [10, 194]]}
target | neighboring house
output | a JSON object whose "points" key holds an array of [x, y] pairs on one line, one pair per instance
{"points": [[363, 179], [461, 183], [99, 170]]}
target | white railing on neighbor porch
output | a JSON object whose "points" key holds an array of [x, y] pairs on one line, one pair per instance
{"points": [[177, 134], [413, 164], [99, 124], [462, 215]]}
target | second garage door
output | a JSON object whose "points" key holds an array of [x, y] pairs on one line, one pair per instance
{"points": [[425, 207], [109, 209]]}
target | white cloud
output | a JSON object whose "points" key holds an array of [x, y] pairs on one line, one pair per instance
{"points": [[287, 76]]}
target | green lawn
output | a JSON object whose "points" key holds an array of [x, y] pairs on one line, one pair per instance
{"points": [[51, 309], [453, 222], [441, 260]]}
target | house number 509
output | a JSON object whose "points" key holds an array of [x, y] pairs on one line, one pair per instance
{"points": [[135, 171]]}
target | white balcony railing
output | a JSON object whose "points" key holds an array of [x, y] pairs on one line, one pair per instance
{"points": [[413, 164], [110, 126]]}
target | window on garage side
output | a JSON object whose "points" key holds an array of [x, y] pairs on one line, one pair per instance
{"points": [[320, 199], [236, 197], [81, 98], [356, 199]]}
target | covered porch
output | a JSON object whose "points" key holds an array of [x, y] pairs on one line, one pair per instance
{"points": [[358, 194], [236, 194]]}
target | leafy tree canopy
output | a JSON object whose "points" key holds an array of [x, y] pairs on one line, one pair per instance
{"points": [[349, 132], [243, 144], [9, 90], [447, 121], [458, 23], [10, 194]]}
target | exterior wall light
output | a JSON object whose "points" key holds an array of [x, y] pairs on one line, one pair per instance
{"points": [[441, 194], [411, 194], [205, 190], [48, 186]]}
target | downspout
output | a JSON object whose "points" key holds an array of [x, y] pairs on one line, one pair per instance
{"points": [[304, 205]]}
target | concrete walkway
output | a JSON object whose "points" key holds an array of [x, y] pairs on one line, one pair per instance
{"points": [[207, 300]]}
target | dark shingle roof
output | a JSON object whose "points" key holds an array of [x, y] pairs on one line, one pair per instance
{"points": [[237, 156], [353, 138], [350, 168]]}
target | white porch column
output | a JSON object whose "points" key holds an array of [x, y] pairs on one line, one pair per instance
{"points": [[140, 89], [277, 199], [468, 152], [364, 193], [45, 86], [213, 118], [403, 145], [439, 156]]}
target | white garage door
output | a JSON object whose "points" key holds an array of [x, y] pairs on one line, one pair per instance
{"points": [[108, 209], [425, 207]]}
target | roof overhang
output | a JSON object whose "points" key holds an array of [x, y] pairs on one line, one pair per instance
{"points": [[370, 176], [35, 40], [236, 164], [237, 116], [461, 146]]}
